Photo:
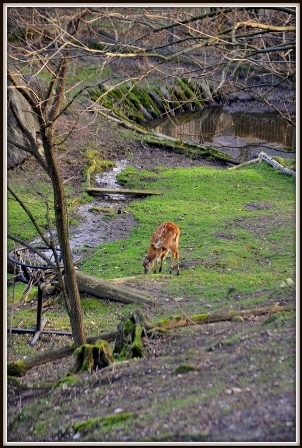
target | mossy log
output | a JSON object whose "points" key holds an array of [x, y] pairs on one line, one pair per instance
{"points": [[92, 190], [96, 352], [107, 290], [108, 114], [19, 368], [190, 149], [183, 321]]}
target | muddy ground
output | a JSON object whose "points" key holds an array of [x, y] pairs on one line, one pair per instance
{"points": [[237, 386]]}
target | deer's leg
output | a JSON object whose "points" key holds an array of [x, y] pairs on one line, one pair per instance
{"points": [[172, 259], [175, 257], [155, 265], [161, 264], [177, 252], [163, 255]]}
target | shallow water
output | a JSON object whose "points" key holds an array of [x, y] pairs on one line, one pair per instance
{"points": [[108, 179], [92, 230], [242, 135]]}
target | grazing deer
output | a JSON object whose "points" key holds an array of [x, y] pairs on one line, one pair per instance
{"points": [[164, 240]]}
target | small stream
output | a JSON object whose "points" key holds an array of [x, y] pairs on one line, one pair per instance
{"points": [[108, 180], [92, 229]]}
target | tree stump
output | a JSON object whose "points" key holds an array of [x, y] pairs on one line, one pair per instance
{"points": [[130, 333], [90, 357]]}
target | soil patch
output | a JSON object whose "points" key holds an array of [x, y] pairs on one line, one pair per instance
{"points": [[202, 383]]}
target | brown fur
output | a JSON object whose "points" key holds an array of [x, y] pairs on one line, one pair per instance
{"points": [[164, 239]]}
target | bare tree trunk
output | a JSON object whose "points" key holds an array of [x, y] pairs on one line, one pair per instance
{"points": [[71, 297]]}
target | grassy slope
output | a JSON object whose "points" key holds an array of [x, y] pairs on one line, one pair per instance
{"points": [[221, 237]]}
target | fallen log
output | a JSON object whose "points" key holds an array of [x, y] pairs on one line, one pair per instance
{"points": [[275, 164], [122, 279], [167, 142], [249, 162], [92, 190], [107, 290], [19, 368], [197, 319], [190, 149]]}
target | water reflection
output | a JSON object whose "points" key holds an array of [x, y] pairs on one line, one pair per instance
{"points": [[242, 135]]}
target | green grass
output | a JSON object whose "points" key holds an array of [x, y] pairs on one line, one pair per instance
{"points": [[220, 236], [18, 222]]}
